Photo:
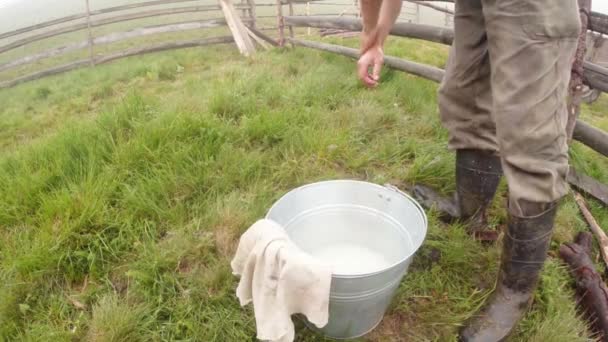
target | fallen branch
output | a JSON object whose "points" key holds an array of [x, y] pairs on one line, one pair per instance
{"points": [[595, 228], [591, 291]]}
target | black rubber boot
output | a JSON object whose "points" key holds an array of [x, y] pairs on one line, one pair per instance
{"points": [[525, 247], [477, 176]]}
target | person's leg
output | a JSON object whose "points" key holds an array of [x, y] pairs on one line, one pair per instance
{"points": [[531, 45], [465, 104]]}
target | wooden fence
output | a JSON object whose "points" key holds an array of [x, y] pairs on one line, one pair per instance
{"points": [[91, 19], [112, 15]]}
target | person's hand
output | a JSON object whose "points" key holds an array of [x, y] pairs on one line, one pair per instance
{"points": [[372, 59]]}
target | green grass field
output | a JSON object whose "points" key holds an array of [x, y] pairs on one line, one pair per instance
{"points": [[124, 189]]}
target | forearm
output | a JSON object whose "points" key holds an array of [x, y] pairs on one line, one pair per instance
{"points": [[370, 12], [389, 13], [378, 19]]}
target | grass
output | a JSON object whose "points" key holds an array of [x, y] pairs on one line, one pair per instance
{"points": [[124, 189]]}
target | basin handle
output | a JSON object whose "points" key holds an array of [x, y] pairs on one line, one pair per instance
{"points": [[396, 189]]}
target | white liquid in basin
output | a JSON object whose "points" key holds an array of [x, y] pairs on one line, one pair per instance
{"points": [[349, 258]]}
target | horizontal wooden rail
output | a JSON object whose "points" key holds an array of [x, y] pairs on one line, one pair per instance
{"points": [[84, 15], [111, 20], [419, 31], [118, 55], [116, 37], [598, 22], [425, 71], [593, 137], [330, 4], [590, 136], [435, 7], [594, 75]]}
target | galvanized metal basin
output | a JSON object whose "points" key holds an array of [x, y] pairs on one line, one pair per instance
{"points": [[367, 232]]}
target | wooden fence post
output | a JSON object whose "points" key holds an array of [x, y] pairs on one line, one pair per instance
{"points": [[308, 14], [280, 22], [90, 33], [291, 15], [252, 12], [243, 10]]}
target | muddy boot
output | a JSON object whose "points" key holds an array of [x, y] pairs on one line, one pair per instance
{"points": [[477, 176], [525, 248]]}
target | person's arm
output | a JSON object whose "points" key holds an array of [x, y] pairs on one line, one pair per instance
{"points": [[370, 11], [378, 19]]}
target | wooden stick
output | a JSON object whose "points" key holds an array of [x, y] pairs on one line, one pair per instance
{"points": [[595, 228], [591, 290]]}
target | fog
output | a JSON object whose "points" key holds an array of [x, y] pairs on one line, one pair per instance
{"points": [[19, 13]]}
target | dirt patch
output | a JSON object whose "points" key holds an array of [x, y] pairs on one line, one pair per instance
{"points": [[391, 328], [119, 282], [184, 266]]}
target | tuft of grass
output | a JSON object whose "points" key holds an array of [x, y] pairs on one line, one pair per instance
{"points": [[103, 92], [167, 73], [42, 93], [114, 319]]}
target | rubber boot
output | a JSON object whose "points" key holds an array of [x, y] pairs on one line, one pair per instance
{"points": [[477, 177], [525, 247]]}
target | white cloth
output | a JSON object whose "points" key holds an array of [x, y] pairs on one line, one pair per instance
{"points": [[281, 280]]}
